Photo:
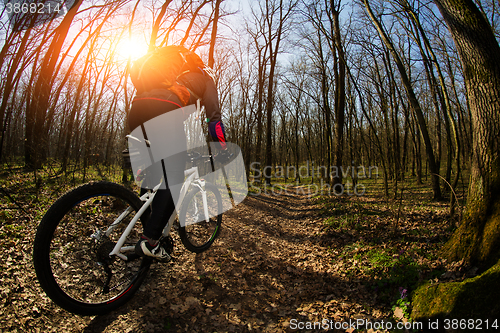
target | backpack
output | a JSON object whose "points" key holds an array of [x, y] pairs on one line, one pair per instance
{"points": [[161, 67]]}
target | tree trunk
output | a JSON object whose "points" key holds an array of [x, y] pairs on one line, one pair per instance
{"points": [[274, 50], [327, 111], [413, 101], [9, 85], [213, 38], [477, 240], [156, 25], [36, 111], [260, 101], [445, 104], [340, 75]]}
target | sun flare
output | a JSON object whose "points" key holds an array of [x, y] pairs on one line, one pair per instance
{"points": [[131, 48]]}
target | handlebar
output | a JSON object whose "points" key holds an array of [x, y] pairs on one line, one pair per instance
{"points": [[195, 156]]}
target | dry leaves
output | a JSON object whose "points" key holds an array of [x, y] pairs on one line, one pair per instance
{"points": [[276, 260]]}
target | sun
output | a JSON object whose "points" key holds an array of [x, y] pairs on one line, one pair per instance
{"points": [[131, 48]]}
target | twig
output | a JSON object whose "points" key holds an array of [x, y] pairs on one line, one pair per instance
{"points": [[399, 209], [13, 200], [452, 190]]}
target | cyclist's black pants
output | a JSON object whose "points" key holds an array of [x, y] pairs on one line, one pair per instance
{"points": [[162, 207]]}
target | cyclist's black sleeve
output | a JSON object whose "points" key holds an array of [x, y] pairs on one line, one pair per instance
{"points": [[203, 87], [211, 100]]}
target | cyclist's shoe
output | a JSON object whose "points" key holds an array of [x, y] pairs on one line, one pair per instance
{"points": [[143, 248]]}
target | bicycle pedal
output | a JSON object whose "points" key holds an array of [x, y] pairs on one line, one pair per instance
{"points": [[168, 244]]}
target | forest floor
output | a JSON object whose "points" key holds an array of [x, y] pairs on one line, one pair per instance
{"points": [[283, 260]]}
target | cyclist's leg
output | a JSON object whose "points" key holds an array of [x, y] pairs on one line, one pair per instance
{"points": [[172, 168], [165, 200], [161, 208]]}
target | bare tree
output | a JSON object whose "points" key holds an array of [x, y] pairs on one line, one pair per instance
{"points": [[274, 38], [214, 34], [36, 109], [433, 166]]}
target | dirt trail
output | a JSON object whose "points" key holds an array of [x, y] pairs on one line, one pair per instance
{"points": [[271, 264]]}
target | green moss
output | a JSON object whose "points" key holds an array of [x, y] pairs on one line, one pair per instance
{"points": [[490, 243], [477, 239], [473, 298]]}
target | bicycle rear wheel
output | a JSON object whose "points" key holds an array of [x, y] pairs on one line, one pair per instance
{"points": [[71, 251], [198, 234]]}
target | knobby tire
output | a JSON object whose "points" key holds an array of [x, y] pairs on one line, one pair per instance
{"points": [[75, 270]]}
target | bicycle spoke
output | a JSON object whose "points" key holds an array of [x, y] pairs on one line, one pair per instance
{"points": [[73, 244], [96, 270]]}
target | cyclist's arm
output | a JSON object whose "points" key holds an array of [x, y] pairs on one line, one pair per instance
{"points": [[211, 103]]}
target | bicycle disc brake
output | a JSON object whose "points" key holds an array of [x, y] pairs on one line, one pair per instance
{"points": [[103, 247]]}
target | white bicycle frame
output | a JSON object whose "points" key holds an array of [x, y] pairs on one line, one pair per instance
{"points": [[192, 178]]}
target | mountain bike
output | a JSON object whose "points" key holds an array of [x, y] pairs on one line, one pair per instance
{"points": [[83, 251]]}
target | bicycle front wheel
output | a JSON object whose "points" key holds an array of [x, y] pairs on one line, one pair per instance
{"points": [[71, 249], [198, 233]]}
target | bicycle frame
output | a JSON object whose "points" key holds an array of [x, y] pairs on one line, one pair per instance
{"points": [[192, 178]]}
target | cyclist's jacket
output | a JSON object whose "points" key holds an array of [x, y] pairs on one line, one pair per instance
{"points": [[182, 72]]}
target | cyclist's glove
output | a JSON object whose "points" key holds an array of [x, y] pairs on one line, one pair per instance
{"points": [[218, 134], [223, 156]]}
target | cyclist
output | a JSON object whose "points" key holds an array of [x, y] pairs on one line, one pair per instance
{"points": [[155, 97]]}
